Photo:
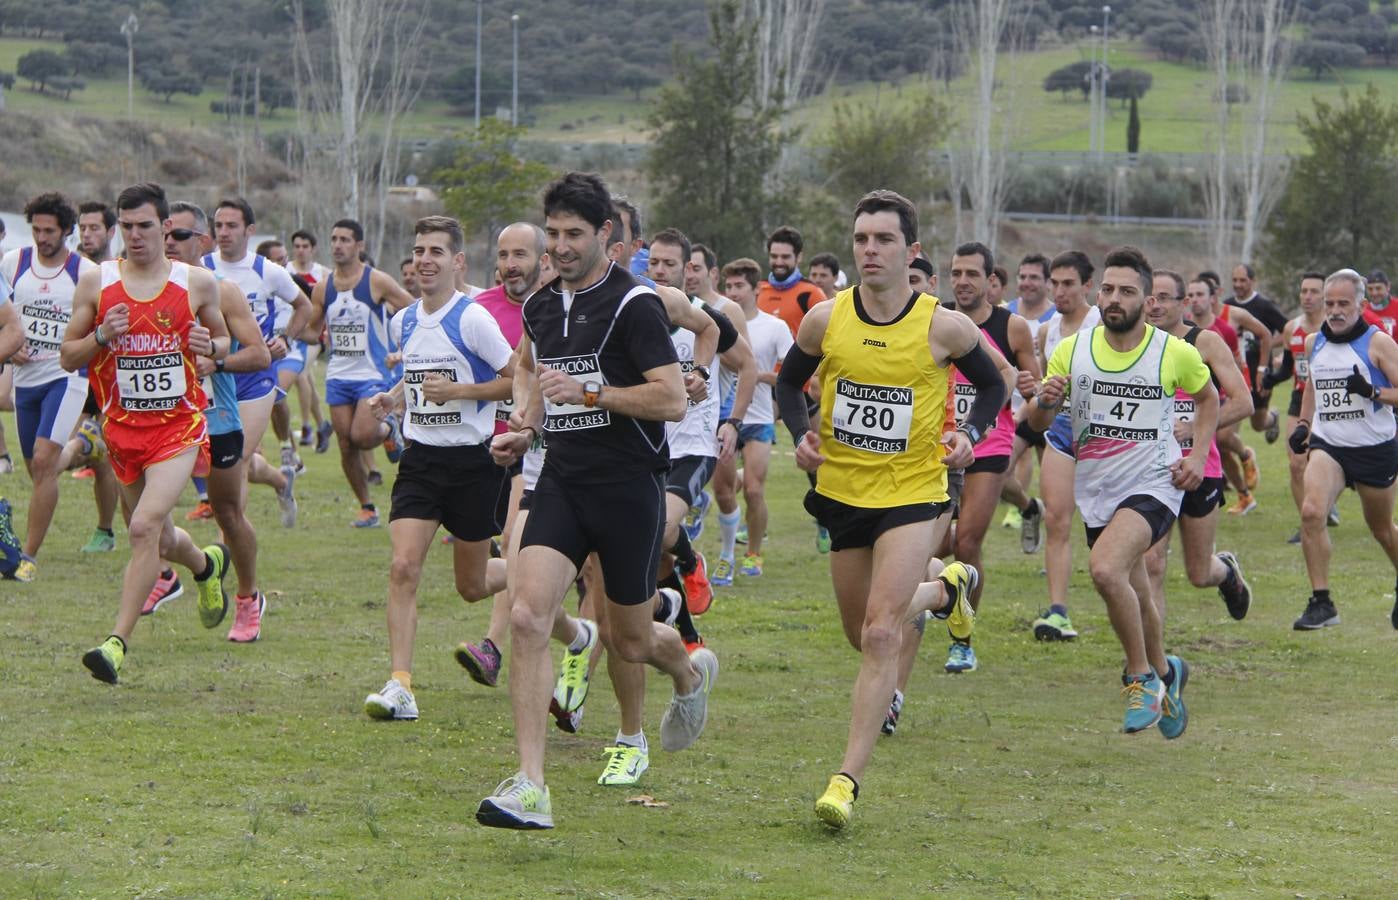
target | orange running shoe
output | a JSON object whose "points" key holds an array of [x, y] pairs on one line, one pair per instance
{"points": [[84, 473], [202, 511], [1250, 474], [699, 594]]}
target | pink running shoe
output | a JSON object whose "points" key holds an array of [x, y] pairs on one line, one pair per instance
{"points": [[167, 588], [247, 619]]}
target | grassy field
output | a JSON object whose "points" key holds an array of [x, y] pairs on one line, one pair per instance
{"points": [[217, 770]]}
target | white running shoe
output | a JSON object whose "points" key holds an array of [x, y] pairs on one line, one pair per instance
{"points": [[393, 701], [684, 721], [286, 498]]}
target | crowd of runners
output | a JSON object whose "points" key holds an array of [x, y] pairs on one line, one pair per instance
{"points": [[571, 425]]}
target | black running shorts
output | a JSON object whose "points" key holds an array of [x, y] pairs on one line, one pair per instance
{"points": [[456, 486], [688, 475], [1157, 515], [852, 527], [225, 450], [1203, 500], [1374, 466]]}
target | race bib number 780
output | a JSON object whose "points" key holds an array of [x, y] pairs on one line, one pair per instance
{"points": [[872, 417]]}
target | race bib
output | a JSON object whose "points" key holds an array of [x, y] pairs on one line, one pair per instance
{"points": [[1333, 403], [44, 326], [151, 383], [422, 411], [575, 416], [1184, 412], [965, 396], [872, 417], [1125, 412], [1303, 368], [349, 339], [503, 408]]}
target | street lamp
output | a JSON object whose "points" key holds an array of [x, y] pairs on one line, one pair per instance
{"points": [[514, 71], [1092, 86], [478, 63], [128, 30], [1106, 75]]}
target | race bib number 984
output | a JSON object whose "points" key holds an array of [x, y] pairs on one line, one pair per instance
{"points": [[872, 417]]}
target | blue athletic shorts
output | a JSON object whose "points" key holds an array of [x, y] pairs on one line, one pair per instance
{"points": [[766, 434], [292, 362], [50, 411], [1060, 435], [348, 393], [255, 385]]}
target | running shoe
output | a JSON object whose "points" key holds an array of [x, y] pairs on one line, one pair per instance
{"points": [[517, 803], [1173, 716], [722, 575], [90, 433], [27, 570], [1295, 538], [367, 518], [836, 805], [1273, 430], [374, 478], [668, 606], [84, 473], [694, 519], [481, 662], [393, 702], [960, 616], [1013, 519], [1319, 614], [691, 646], [570, 691], [895, 709], [1332, 518], [697, 590], [822, 539], [247, 618], [752, 565], [286, 497], [1250, 474], [1144, 695], [1245, 504], [625, 765], [213, 599], [1031, 528], [323, 435], [11, 553], [100, 542], [1051, 626], [566, 721], [1393, 616], [393, 443], [742, 535], [308, 436], [1236, 593], [288, 456], [7, 465], [202, 510], [167, 588], [960, 658], [104, 660], [684, 719]]}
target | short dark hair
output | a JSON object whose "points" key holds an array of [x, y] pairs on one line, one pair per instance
{"points": [[1379, 276], [675, 238], [52, 204], [1000, 273], [138, 195], [973, 248], [1318, 276], [407, 261], [240, 205], [710, 259], [304, 235], [1036, 259], [744, 268], [266, 245], [1247, 267], [829, 260], [1074, 259], [891, 201], [1204, 279], [444, 224], [923, 265], [582, 194], [785, 234], [1213, 278], [621, 204], [97, 206], [351, 226], [1177, 278], [1129, 257]]}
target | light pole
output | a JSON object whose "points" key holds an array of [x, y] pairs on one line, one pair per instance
{"points": [[478, 63], [1092, 86], [514, 72], [1106, 75], [128, 29]]}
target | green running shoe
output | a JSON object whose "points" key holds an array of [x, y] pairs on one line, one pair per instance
{"points": [[822, 540], [517, 803], [1174, 717], [1052, 626], [570, 692], [960, 616], [625, 765], [104, 660], [100, 542], [213, 599]]}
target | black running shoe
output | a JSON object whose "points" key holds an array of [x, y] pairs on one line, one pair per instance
{"points": [[1319, 614], [1236, 594]]}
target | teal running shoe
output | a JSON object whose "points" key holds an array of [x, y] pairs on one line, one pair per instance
{"points": [[1174, 717], [1144, 695]]}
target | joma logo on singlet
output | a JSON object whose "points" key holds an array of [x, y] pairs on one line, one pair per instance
{"points": [[870, 342]]}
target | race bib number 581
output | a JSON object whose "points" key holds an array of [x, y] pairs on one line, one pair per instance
{"points": [[873, 417]]}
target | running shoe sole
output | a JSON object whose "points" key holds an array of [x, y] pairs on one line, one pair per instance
{"points": [[100, 667], [492, 816], [474, 668]]}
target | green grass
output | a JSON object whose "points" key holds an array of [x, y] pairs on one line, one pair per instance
{"points": [[217, 770]]}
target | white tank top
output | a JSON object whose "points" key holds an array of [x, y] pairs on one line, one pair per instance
{"points": [[1053, 329], [1343, 419], [43, 298], [695, 434]]}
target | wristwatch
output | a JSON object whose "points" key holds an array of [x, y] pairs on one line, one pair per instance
{"points": [[218, 365], [702, 372], [971, 432], [736, 423], [592, 391]]}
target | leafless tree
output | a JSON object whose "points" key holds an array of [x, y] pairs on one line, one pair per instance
{"points": [[1217, 21], [1266, 59], [786, 40]]}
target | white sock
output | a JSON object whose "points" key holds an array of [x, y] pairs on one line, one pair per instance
{"points": [[637, 740], [728, 532]]}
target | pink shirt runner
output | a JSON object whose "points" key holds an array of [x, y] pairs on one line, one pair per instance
{"points": [[510, 317]]}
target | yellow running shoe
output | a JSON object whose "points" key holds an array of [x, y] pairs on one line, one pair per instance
{"points": [[836, 805], [213, 599], [961, 617], [104, 660]]}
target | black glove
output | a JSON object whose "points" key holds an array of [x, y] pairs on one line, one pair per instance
{"points": [[1358, 384], [1300, 438]]}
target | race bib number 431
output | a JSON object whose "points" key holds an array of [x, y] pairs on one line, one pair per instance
{"points": [[872, 417], [44, 326]]}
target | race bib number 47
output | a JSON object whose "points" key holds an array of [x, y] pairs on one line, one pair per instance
{"points": [[1125, 412], [872, 417]]}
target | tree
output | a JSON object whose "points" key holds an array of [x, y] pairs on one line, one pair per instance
{"points": [[786, 32], [167, 84], [716, 140], [1133, 129], [1337, 209], [882, 145], [1327, 56], [1128, 84], [488, 186], [1069, 78], [42, 67], [636, 79], [88, 58]]}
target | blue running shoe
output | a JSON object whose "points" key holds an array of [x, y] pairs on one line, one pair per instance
{"points": [[11, 553], [1174, 717], [960, 658], [694, 519], [1144, 697], [393, 444], [722, 575]]}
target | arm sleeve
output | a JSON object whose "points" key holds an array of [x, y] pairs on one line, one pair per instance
{"points": [[484, 337], [645, 332], [991, 393], [797, 369], [727, 334], [1285, 371]]}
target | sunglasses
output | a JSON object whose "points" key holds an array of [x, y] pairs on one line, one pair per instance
{"points": [[184, 234]]}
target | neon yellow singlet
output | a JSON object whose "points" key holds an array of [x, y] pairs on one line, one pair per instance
{"points": [[882, 403]]}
